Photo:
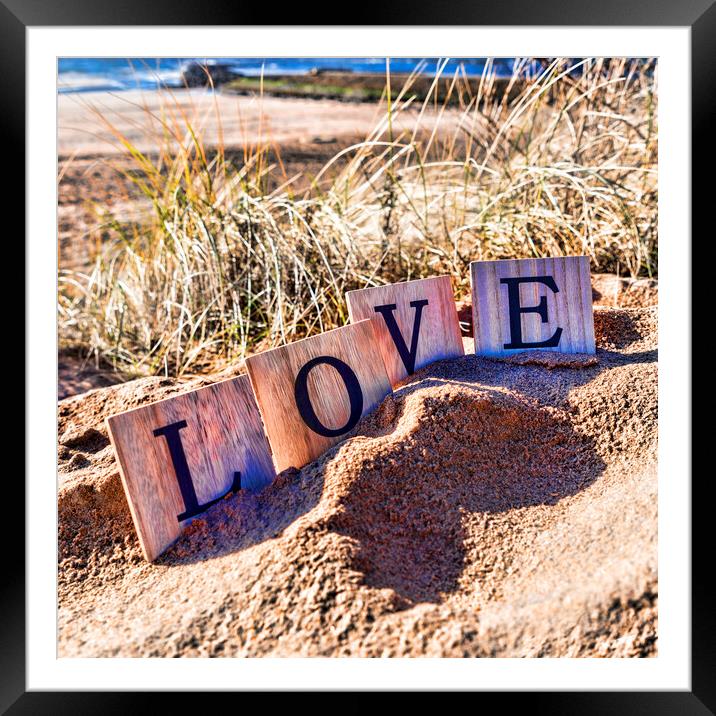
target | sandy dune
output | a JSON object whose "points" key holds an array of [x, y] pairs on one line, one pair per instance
{"points": [[488, 508]]}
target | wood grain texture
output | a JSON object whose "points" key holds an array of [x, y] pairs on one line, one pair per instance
{"points": [[570, 309], [439, 335], [273, 377], [224, 434]]}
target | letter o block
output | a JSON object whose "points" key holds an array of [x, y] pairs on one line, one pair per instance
{"points": [[532, 304], [311, 393]]}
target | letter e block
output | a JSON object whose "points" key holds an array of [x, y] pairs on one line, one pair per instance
{"points": [[532, 304], [179, 456], [417, 324], [314, 391]]}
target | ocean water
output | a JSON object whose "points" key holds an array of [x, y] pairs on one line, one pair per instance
{"points": [[116, 74]]}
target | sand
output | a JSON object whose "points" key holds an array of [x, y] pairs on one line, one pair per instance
{"points": [[244, 120], [487, 508]]}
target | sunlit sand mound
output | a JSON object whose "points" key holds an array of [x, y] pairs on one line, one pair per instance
{"points": [[619, 292], [487, 508]]}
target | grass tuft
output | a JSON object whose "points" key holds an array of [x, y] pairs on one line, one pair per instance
{"points": [[559, 162]]}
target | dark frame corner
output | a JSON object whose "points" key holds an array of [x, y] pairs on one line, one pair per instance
{"points": [[699, 15]]}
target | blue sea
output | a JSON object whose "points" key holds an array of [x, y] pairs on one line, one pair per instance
{"points": [[116, 74]]}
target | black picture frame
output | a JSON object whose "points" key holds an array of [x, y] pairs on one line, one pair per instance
{"points": [[699, 15]]}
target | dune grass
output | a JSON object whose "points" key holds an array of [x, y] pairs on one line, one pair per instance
{"points": [[559, 162]]}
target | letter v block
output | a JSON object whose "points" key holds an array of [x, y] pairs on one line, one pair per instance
{"points": [[417, 324], [181, 455], [532, 304], [314, 391]]}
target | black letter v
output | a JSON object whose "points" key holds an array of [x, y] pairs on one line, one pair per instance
{"points": [[407, 356]]}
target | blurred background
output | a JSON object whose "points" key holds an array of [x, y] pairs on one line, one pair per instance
{"points": [[213, 207]]}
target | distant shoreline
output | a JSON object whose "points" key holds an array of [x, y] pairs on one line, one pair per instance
{"points": [[355, 87], [119, 74]]}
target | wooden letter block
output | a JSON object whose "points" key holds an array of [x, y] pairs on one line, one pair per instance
{"points": [[525, 304], [312, 392], [179, 456], [417, 323]]}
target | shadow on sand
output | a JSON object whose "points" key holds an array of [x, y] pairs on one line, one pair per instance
{"points": [[468, 435]]}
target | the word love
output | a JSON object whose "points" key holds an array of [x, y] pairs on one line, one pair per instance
{"points": [[179, 456]]}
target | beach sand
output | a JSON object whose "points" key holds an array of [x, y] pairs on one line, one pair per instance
{"points": [[487, 508], [243, 120]]}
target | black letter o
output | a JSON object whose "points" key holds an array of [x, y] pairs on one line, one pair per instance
{"points": [[355, 395]]}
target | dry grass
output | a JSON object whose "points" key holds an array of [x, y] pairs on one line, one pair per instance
{"points": [[562, 163]]}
